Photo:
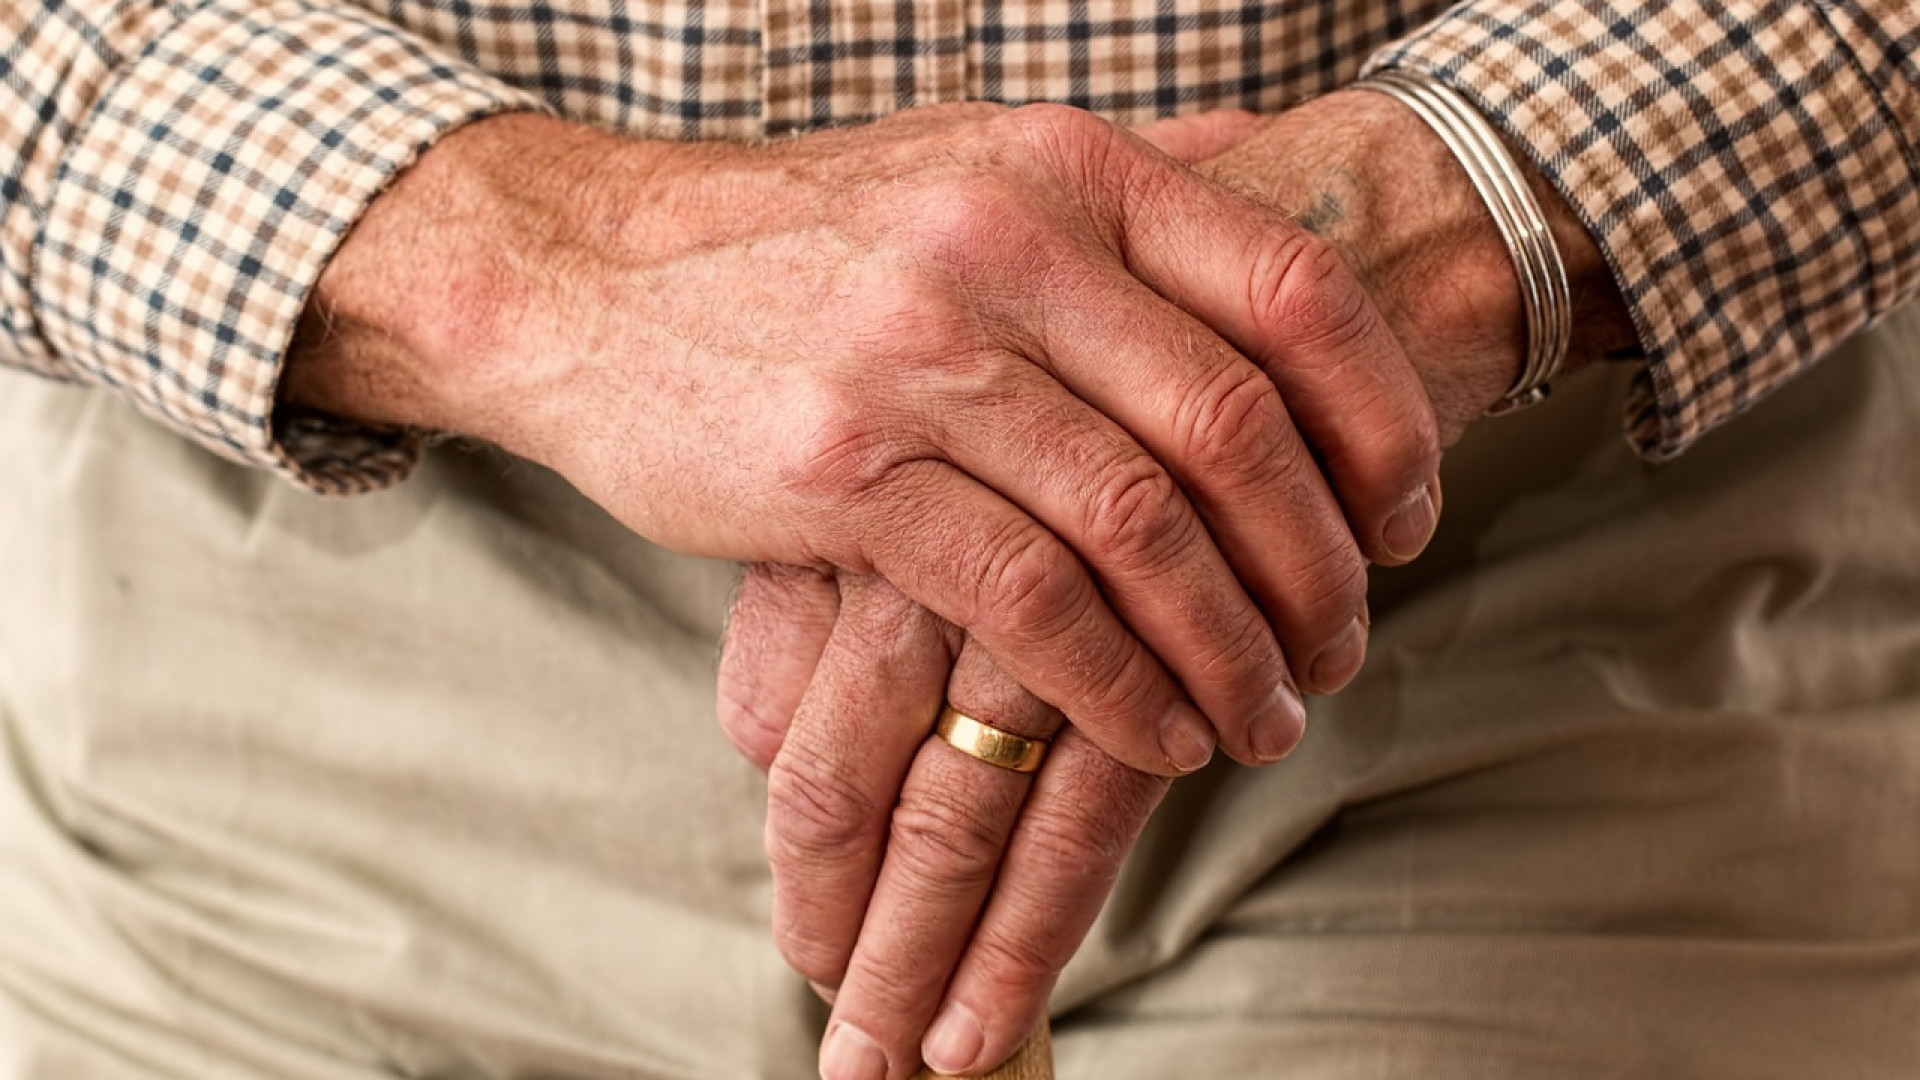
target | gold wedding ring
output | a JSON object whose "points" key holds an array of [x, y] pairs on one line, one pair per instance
{"points": [[988, 743]]}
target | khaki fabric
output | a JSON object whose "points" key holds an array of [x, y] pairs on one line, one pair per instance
{"points": [[426, 783]]}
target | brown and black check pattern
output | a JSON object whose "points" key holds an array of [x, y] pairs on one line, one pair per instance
{"points": [[1752, 171], [174, 175]]}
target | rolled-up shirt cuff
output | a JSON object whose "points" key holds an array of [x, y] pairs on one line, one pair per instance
{"points": [[201, 197], [1747, 179]]}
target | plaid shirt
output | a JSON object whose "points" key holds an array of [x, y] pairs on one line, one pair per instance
{"points": [[175, 173]]}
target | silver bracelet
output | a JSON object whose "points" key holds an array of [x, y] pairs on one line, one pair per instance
{"points": [[1523, 227]]}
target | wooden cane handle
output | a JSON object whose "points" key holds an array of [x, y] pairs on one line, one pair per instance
{"points": [[1033, 1061]]}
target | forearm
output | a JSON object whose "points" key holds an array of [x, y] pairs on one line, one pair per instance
{"points": [[174, 176], [414, 320]]}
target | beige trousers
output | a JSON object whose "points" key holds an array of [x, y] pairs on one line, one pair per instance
{"points": [[427, 783]]}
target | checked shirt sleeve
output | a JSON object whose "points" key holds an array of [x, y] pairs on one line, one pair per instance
{"points": [[1749, 167], [173, 178]]}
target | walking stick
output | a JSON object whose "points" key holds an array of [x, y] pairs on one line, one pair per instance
{"points": [[1033, 1061]]}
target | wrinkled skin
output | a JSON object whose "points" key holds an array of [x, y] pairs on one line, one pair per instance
{"points": [[922, 884]]}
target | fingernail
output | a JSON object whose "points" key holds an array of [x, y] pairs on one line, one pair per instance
{"points": [[1186, 737], [1411, 526], [1277, 730], [824, 992], [850, 1055], [954, 1041], [1340, 661]]}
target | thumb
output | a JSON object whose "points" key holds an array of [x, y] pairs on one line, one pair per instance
{"points": [[1191, 139]]}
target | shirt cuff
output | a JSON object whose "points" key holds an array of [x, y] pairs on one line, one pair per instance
{"points": [[1747, 179], [203, 193]]}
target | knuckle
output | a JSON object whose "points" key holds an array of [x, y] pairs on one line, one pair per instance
{"points": [[1122, 684], [1233, 423], [1004, 701], [1082, 852], [1302, 290], [1413, 438], [939, 840], [1138, 519], [920, 319], [892, 986], [1088, 151], [1329, 586], [1394, 447], [1149, 181], [1052, 125], [1246, 647], [1018, 963], [899, 638], [816, 815], [1031, 586], [1423, 439], [987, 379], [967, 222], [842, 448], [1290, 466]]}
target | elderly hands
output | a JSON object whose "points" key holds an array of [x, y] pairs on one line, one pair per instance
{"points": [[1049, 384], [1015, 390], [941, 895]]}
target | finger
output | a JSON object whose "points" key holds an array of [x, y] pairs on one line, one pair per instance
{"points": [[1221, 426], [1095, 487], [832, 787], [1200, 136], [1277, 292], [952, 822], [1216, 423], [781, 619], [983, 564], [1082, 817], [1289, 302]]}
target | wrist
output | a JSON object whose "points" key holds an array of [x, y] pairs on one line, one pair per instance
{"points": [[1371, 177], [424, 316]]}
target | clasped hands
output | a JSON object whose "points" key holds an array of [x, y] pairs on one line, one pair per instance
{"points": [[933, 898], [1011, 408]]}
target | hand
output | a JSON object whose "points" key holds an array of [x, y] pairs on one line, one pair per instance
{"points": [[990, 878], [792, 676], [1000, 357]]}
